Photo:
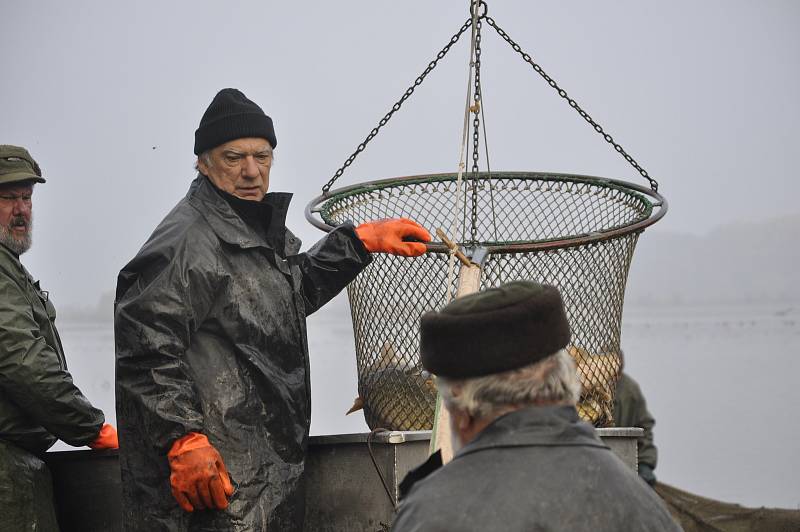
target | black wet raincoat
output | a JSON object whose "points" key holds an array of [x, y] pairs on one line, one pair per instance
{"points": [[538, 468], [39, 403], [211, 338]]}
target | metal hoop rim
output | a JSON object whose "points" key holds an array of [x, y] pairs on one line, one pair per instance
{"points": [[653, 197]]}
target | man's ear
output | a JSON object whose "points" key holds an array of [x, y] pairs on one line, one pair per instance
{"points": [[462, 419]]}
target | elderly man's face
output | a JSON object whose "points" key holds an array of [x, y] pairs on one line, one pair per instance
{"points": [[16, 216], [240, 167]]}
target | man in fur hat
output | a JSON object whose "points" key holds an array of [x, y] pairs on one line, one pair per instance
{"points": [[524, 460]]}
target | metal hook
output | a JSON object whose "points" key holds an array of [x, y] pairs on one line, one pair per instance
{"points": [[478, 3]]}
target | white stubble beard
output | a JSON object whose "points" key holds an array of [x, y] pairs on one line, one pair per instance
{"points": [[18, 245]]}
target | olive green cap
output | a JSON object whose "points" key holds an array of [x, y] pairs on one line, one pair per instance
{"points": [[16, 165]]}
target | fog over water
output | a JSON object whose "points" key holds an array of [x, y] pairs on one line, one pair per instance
{"points": [[107, 95], [719, 379]]}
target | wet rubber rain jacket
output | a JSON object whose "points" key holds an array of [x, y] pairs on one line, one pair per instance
{"points": [[211, 338], [39, 403]]}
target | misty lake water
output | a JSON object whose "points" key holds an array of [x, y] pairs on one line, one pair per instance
{"points": [[721, 382]]}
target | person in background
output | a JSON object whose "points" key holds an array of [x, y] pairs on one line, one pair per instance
{"points": [[523, 459], [213, 390], [630, 410], [39, 403]]}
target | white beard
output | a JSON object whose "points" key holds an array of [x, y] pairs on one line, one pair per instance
{"points": [[18, 245]]}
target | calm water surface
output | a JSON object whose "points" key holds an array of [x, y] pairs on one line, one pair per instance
{"points": [[720, 381]]}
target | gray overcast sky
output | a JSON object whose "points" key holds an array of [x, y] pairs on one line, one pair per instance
{"points": [[703, 94]]}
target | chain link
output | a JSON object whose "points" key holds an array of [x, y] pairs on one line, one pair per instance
{"points": [[477, 99], [572, 103], [383, 121], [476, 123]]}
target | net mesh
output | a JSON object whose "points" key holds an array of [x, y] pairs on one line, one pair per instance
{"points": [[511, 215]]}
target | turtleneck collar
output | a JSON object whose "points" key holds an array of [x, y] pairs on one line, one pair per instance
{"points": [[230, 226], [256, 214]]}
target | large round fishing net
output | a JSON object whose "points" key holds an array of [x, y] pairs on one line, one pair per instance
{"points": [[575, 232]]}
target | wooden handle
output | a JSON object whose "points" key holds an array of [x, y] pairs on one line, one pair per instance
{"points": [[469, 281], [453, 246]]}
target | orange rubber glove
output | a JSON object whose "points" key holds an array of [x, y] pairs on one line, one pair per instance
{"points": [[199, 478], [388, 236], [106, 438]]}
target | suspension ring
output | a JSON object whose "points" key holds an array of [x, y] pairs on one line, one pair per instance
{"points": [[479, 4]]}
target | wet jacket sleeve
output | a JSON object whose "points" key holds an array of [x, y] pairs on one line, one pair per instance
{"points": [[330, 265], [155, 318], [648, 454], [631, 411], [32, 375]]}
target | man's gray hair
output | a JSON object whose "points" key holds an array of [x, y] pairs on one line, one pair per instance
{"points": [[547, 381], [205, 157]]}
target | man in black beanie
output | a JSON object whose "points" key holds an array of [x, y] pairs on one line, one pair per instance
{"points": [[524, 460], [213, 390]]}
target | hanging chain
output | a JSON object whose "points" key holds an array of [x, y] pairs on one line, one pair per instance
{"points": [[478, 18], [383, 121], [476, 100], [572, 103], [476, 126]]}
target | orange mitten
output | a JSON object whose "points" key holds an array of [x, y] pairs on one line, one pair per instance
{"points": [[199, 478], [388, 236], [106, 438]]}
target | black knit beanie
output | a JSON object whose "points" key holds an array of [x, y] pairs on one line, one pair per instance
{"points": [[496, 330], [230, 116]]}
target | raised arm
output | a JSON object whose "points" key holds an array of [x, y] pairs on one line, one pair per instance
{"points": [[335, 260], [330, 265]]}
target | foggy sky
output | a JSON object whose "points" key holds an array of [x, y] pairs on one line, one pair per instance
{"points": [[107, 95]]}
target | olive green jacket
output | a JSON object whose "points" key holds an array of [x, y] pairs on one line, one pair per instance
{"points": [[630, 410], [39, 403]]}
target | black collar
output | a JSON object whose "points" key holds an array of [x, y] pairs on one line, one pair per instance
{"points": [[227, 223], [430, 465]]}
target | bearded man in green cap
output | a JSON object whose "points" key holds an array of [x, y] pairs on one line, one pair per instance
{"points": [[524, 460], [39, 403]]}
